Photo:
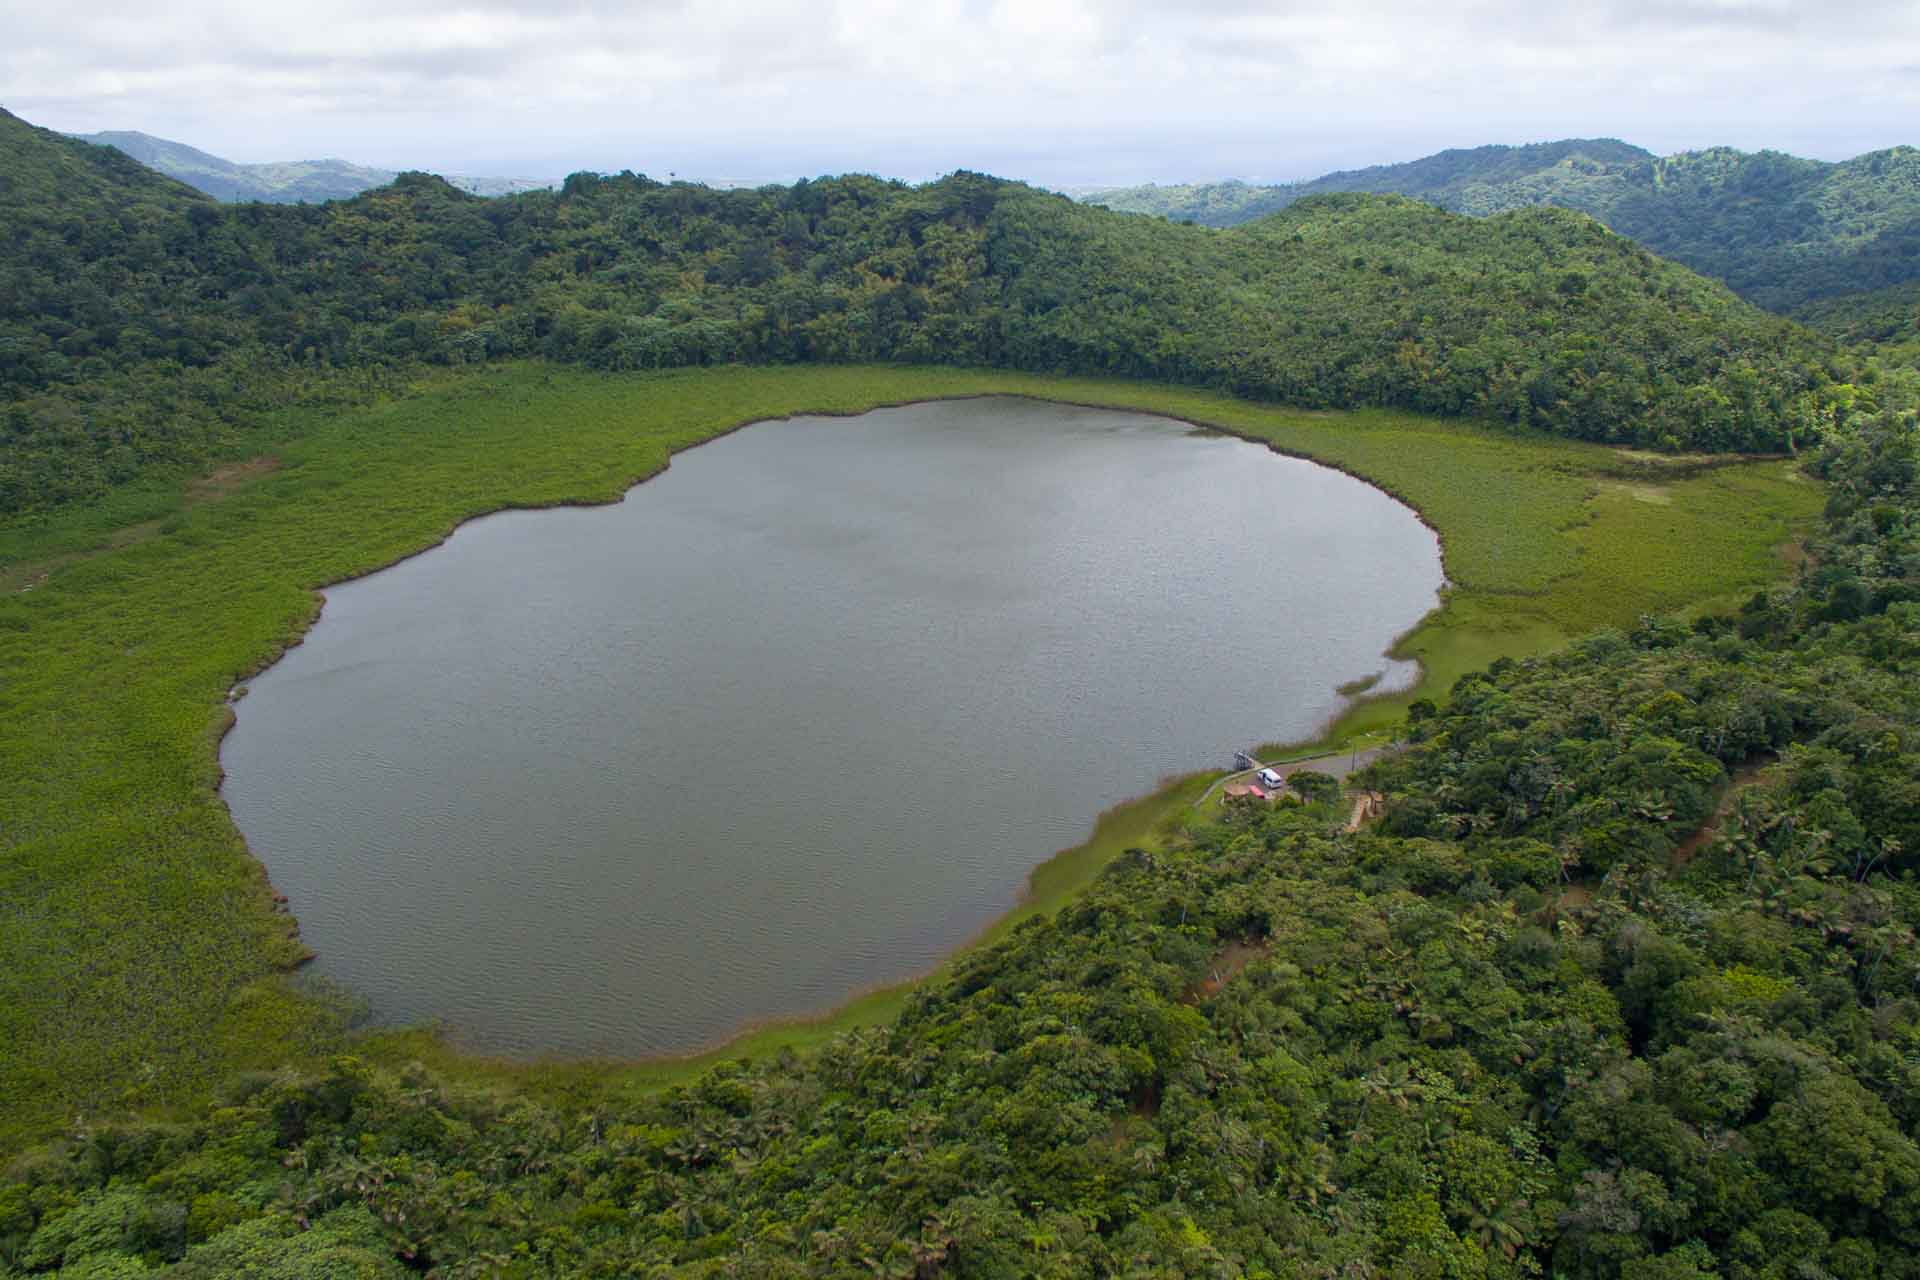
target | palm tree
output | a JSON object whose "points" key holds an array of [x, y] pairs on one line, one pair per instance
{"points": [[1498, 1226]]}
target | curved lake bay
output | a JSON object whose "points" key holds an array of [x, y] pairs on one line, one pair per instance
{"points": [[797, 716]]}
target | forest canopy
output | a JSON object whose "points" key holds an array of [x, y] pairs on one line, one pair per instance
{"points": [[143, 325], [1623, 986], [1801, 237]]}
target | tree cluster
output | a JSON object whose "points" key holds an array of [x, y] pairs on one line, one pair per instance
{"points": [[1624, 986], [1800, 237], [143, 326]]}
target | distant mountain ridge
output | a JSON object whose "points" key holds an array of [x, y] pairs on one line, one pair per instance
{"points": [[1480, 180], [280, 182], [1784, 232]]}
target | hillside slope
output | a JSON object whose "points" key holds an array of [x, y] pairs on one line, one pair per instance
{"points": [[1621, 988], [278, 182], [121, 352], [1479, 180], [48, 185], [1782, 231]]}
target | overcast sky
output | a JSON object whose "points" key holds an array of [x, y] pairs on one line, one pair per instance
{"points": [[1059, 92]]}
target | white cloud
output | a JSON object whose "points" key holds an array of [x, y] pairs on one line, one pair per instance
{"points": [[1059, 90]]}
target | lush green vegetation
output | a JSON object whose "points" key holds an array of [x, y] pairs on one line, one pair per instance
{"points": [[1885, 323], [146, 967], [143, 326], [1801, 237], [1477, 180], [1622, 986]]}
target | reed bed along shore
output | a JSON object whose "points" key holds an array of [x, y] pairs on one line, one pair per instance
{"points": [[144, 959]]}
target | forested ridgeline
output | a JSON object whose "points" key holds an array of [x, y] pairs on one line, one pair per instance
{"points": [[1477, 180], [1883, 325], [1800, 237], [1624, 984], [142, 325]]}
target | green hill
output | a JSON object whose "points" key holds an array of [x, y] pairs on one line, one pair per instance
{"points": [[1481, 181], [1623, 983], [47, 185], [309, 180], [279, 182], [121, 352], [1784, 232], [1619, 988]]}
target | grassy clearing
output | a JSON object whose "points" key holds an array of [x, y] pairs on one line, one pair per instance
{"points": [[141, 958]]}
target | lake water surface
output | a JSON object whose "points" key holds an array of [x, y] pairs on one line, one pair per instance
{"points": [[797, 716]]}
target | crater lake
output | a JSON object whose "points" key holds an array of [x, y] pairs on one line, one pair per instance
{"points": [[797, 716]]}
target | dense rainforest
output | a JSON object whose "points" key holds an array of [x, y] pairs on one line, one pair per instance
{"points": [[143, 325], [1800, 237], [1623, 984]]}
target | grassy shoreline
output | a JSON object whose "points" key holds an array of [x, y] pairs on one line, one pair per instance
{"points": [[147, 959]]}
